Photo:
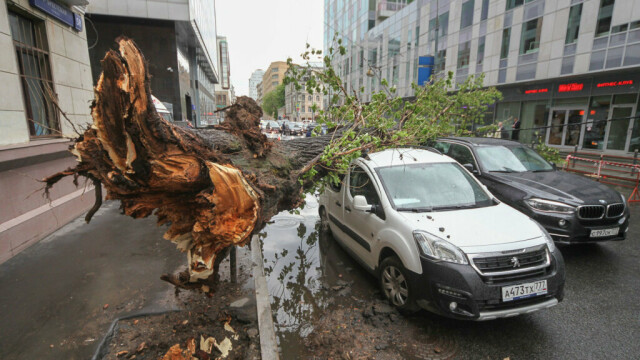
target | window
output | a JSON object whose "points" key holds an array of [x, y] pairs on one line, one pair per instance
{"points": [[440, 61], [530, 40], [514, 3], [462, 154], [275, 83], [274, 76], [30, 43], [310, 98], [361, 184], [573, 27], [481, 42], [604, 17], [275, 69], [464, 51], [484, 14], [466, 17], [506, 37], [317, 97]]}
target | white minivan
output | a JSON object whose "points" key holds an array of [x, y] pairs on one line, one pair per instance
{"points": [[438, 239]]}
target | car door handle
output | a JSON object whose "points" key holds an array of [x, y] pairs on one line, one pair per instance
{"points": [[338, 204], [347, 209]]}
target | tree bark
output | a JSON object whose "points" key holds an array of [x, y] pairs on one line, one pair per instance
{"points": [[213, 187]]}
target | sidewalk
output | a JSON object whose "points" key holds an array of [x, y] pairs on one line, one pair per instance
{"points": [[53, 295]]}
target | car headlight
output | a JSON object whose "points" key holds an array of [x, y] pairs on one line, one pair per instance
{"points": [[550, 244], [550, 206], [437, 248]]}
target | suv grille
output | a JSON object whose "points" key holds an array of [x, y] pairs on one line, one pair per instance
{"points": [[488, 265], [615, 210], [591, 212]]}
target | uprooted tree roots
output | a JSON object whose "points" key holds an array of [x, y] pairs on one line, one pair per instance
{"points": [[213, 188]]}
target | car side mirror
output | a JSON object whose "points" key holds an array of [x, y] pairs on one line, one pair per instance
{"points": [[471, 168], [555, 167], [360, 203]]}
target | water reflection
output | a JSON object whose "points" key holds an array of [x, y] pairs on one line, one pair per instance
{"points": [[302, 264]]}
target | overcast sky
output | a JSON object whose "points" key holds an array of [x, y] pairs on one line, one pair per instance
{"points": [[262, 31]]}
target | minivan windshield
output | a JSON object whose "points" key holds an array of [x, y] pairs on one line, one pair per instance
{"points": [[432, 187], [511, 159]]}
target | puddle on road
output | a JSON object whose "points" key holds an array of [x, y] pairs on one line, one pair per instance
{"points": [[306, 272]]}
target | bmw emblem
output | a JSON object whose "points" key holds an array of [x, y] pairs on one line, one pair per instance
{"points": [[603, 202]]}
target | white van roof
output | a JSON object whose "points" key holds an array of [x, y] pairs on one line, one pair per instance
{"points": [[159, 105]]}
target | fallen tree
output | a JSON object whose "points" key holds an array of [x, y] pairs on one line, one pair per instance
{"points": [[216, 187], [213, 189]]}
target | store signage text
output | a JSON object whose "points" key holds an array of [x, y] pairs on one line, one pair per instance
{"points": [[570, 87], [536, 91], [59, 12], [615, 83]]}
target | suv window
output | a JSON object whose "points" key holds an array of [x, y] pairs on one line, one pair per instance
{"points": [[361, 184], [443, 147], [461, 154]]}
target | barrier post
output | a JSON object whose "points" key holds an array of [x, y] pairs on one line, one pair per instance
{"points": [[635, 159], [575, 153], [599, 167]]}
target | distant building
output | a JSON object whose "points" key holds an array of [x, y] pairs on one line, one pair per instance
{"points": [[273, 76], [254, 81], [259, 92], [44, 64], [178, 39], [223, 90], [299, 104]]}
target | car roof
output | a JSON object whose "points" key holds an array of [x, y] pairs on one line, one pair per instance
{"points": [[404, 156], [479, 141]]}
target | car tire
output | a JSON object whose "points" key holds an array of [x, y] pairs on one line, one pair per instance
{"points": [[324, 220], [394, 283]]}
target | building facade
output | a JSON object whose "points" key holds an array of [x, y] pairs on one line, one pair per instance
{"points": [[177, 37], [223, 90], [46, 91], [254, 81], [299, 105], [273, 76], [567, 68]]}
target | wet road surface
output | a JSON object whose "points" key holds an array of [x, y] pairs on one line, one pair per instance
{"points": [[52, 294], [598, 319]]}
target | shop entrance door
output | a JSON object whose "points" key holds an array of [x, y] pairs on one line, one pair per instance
{"points": [[620, 127], [565, 127]]}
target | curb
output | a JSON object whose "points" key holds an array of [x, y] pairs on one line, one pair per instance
{"points": [[268, 340]]}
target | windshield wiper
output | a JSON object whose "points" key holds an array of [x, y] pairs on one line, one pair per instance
{"points": [[542, 170], [416, 210], [455, 207]]}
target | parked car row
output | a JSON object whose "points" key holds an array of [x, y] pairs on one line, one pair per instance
{"points": [[468, 228], [291, 128]]}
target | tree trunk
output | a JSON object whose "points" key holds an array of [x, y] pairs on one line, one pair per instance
{"points": [[213, 187]]}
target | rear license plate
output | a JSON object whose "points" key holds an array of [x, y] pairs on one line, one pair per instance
{"points": [[604, 232], [523, 291]]}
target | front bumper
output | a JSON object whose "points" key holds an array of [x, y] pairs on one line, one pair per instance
{"points": [[478, 298], [576, 231]]}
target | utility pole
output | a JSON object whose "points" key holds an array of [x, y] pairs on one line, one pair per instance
{"points": [[435, 55]]}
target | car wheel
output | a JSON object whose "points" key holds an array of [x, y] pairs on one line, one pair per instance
{"points": [[324, 220], [395, 285]]}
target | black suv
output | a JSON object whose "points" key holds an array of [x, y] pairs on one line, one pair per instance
{"points": [[571, 207]]}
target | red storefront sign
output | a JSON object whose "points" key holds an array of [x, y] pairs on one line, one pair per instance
{"points": [[615, 83], [536, 91], [570, 87]]}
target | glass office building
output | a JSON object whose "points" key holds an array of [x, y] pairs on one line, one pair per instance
{"points": [[564, 67]]}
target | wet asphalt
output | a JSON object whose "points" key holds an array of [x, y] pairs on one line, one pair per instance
{"points": [[598, 319], [53, 294]]}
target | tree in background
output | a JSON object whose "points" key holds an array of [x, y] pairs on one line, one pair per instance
{"points": [[273, 101]]}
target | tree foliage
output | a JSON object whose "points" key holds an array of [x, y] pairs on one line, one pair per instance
{"points": [[387, 120], [273, 100]]}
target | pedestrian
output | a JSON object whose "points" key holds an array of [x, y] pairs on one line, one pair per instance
{"points": [[500, 132], [515, 135]]}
